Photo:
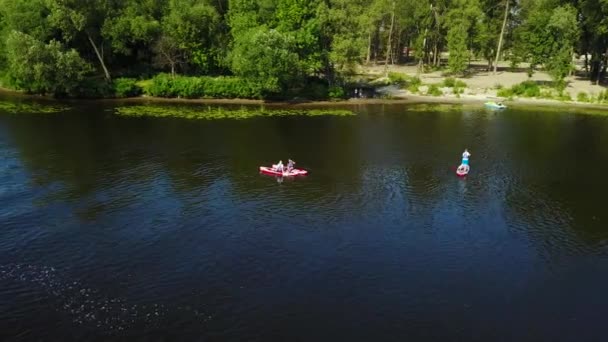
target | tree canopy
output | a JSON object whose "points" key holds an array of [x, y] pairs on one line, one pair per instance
{"points": [[286, 43]]}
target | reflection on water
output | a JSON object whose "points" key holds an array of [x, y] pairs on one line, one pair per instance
{"points": [[157, 227]]}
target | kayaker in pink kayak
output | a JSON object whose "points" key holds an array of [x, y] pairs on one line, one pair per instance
{"points": [[290, 165], [279, 167]]}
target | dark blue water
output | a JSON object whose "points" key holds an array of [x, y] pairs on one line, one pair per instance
{"points": [[149, 229]]}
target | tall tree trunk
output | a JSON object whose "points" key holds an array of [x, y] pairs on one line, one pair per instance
{"points": [[390, 38], [103, 65], [369, 48], [436, 53], [502, 33], [421, 53], [586, 64], [572, 70]]}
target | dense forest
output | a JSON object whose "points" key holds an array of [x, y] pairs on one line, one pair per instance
{"points": [[256, 48]]}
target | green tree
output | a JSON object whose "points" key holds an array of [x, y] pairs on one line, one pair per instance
{"points": [[82, 18], [276, 60], [194, 26], [43, 68], [134, 25], [564, 31], [459, 22]]}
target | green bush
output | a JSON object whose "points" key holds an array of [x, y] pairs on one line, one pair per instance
{"points": [[460, 84], [336, 92], [564, 97], [164, 85], [602, 96], [526, 89], [397, 78], [505, 92], [415, 81], [126, 87], [547, 94], [449, 82], [582, 97], [413, 88], [434, 90]]}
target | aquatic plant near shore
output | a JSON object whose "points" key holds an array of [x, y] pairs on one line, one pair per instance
{"points": [[30, 108], [211, 113]]}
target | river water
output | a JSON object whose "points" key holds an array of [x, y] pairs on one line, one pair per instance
{"points": [[162, 229]]}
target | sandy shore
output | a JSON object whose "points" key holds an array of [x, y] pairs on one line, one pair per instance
{"points": [[481, 81]]}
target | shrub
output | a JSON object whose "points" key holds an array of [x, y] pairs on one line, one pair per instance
{"points": [[413, 88], [582, 97], [164, 85], [602, 96], [505, 92], [526, 89], [546, 94], [397, 78], [414, 84], [415, 81], [434, 90], [460, 84], [336, 92], [449, 82], [564, 97], [126, 87]]}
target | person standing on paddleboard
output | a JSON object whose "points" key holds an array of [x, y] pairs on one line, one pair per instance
{"points": [[465, 157]]}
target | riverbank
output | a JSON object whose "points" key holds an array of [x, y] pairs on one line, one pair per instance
{"points": [[478, 87], [401, 97]]}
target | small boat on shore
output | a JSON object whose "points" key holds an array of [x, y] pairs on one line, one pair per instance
{"points": [[495, 105], [273, 171]]}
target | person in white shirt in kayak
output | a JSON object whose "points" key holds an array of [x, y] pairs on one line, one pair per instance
{"points": [[290, 164], [279, 167]]}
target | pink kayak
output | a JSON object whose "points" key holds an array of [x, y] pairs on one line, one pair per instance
{"points": [[272, 171]]}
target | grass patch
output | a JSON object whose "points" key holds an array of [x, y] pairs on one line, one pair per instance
{"points": [[564, 97], [523, 89], [434, 90], [213, 113], [30, 108], [397, 78], [451, 82], [547, 94], [413, 88], [582, 97]]}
